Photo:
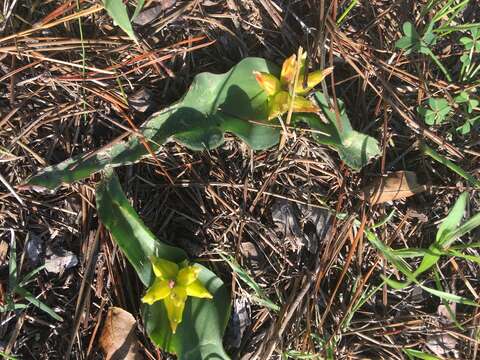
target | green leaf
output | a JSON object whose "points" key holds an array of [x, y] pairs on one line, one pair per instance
{"points": [[411, 40], [35, 302], [200, 334], [410, 31], [400, 264], [462, 97], [420, 354], [357, 149], [466, 227], [138, 8], [439, 109], [397, 285], [450, 297], [449, 224], [7, 357], [215, 104], [132, 236], [260, 297], [354, 148], [451, 165], [12, 264], [452, 221], [118, 12]]}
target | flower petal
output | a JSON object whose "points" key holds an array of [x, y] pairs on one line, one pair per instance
{"points": [[197, 289], [158, 291], [288, 70], [300, 104], [278, 104], [313, 79], [269, 83], [175, 304], [188, 275], [164, 269]]}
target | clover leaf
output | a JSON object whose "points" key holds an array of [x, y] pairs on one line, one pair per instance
{"points": [[436, 112]]}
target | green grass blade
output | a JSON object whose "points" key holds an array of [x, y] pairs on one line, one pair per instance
{"points": [[410, 252], [466, 227], [12, 263], [118, 12], [397, 285], [448, 225], [453, 219], [450, 297], [451, 165], [26, 279], [138, 8], [12, 307], [383, 221], [6, 356], [416, 354], [473, 258], [35, 302], [396, 261], [259, 296], [346, 12]]}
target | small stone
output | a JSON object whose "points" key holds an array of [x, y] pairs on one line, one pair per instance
{"points": [[59, 263], [34, 249]]}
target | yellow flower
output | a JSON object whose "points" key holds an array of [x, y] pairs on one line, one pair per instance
{"points": [[172, 285], [279, 91]]}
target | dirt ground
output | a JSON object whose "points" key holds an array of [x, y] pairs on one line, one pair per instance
{"points": [[264, 208]]}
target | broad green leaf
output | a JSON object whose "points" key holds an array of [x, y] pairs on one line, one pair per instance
{"points": [[200, 334], [411, 40], [439, 110], [215, 104], [118, 12], [353, 147], [410, 31], [357, 149], [132, 236]]}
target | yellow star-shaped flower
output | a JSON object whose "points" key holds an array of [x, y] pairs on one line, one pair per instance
{"points": [[279, 91], [173, 285]]}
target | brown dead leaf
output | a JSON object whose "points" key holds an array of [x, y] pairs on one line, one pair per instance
{"points": [[397, 185], [118, 339]]}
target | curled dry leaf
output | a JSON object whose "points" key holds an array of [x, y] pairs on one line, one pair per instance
{"points": [[118, 340], [394, 186]]}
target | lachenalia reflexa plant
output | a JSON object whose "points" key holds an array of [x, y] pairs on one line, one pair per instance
{"points": [[248, 101]]}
